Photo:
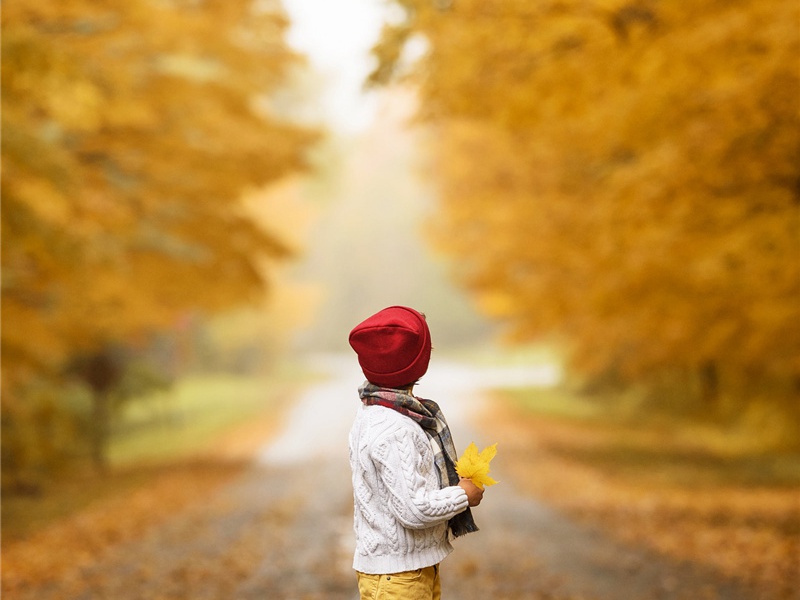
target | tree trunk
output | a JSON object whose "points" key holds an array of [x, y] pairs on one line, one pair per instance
{"points": [[709, 384], [100, 430], [102, 371]]}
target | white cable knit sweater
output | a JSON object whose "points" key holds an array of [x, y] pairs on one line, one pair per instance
{"points": [[400, 516]]}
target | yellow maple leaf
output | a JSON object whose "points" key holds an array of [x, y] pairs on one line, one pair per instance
{"points": [[474, 465]]}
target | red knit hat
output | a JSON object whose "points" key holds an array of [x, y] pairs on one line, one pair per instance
{"points": [[393, 346]]}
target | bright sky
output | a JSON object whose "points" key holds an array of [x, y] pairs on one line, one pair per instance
{"points": [[337, 35]]}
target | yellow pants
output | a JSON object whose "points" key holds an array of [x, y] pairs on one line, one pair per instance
{"points": [[422, 584]]}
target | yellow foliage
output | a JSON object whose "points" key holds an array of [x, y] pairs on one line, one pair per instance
{"points": [[474, 465], [621, 175], [129, 134]]}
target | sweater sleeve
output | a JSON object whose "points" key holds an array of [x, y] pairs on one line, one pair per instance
{"points": [[404, 463]]}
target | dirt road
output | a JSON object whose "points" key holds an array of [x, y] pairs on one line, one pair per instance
{"points": [[282, 530]]}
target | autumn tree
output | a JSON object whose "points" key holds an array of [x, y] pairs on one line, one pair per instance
{"points": [[129, 132], [622, 175]]}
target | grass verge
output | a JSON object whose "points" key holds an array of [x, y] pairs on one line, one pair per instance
{"points": [[691, 491], [206, 425], [177, 423]]}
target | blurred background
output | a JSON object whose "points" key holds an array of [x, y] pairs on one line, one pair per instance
{"points": [[198, 195]]}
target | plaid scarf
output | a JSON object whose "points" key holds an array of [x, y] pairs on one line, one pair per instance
{"points": [[429, 416]]}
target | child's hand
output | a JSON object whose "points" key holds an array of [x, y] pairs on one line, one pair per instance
{"points": [[474, 493]]}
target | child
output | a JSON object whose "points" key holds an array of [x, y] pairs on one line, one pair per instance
{"points": [[406, 491]]}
